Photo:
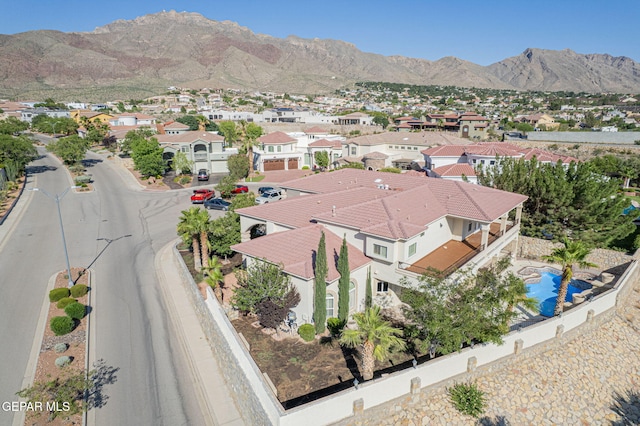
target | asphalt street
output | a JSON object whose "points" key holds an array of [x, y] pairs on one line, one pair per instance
{"points": [[116, 231]]}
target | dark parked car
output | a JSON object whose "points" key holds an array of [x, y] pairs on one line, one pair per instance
{"points": [[203, 175], [217, 204], [264, 189]]}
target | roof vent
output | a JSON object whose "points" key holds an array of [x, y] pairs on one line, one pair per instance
{"points": [[333, 211]]}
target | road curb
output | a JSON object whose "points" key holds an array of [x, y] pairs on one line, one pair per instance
{"points": [[32, 364]]}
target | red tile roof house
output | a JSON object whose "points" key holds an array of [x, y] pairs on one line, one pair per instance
{"points": [[483, 154], [397, 226], [277, 151]]}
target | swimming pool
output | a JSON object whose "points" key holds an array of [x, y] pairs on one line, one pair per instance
{"points": [[545, 289]]}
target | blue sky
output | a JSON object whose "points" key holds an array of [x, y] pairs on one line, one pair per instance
{"points": [[480, 31]]}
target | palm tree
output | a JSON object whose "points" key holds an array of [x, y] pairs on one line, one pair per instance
{"points": [[214, 276], [203, 122], [192, 227], [376, 336], [250, 132], [573, 252]]}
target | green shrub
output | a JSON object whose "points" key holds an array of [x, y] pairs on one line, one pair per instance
{"points": [[58, 293], [65, 301], [79, 290], [63, 361], [307, 332], [61, 347], [61, 325], [305, 167], [76, 310], [335, 326], [467, 399]]}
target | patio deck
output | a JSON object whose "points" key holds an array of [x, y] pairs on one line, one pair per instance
{"points": [[453, 254]]}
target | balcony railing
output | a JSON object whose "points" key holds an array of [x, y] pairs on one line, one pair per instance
{"points": [[201, 157]]}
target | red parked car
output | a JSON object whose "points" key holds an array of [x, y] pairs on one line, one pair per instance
{"points": [[200, 195], [239, 189]]}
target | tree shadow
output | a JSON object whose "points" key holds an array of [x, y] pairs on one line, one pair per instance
{"points": [[90, 162], [350, 361], [101, 375], [32, 170], [627, 406], [498, 421]]}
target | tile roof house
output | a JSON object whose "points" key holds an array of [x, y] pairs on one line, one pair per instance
{"points": [[277, 151], [205, 149], [483, 154], [397, 228]]}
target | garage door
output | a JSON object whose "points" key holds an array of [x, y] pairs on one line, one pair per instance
{"points": [[219, 166], [274, 164], [293, 164]]}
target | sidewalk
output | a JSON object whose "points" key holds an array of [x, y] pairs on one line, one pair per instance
{"points": [[217, 406]]}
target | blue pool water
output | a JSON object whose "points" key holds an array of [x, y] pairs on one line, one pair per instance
{"points": [[546, 291]]}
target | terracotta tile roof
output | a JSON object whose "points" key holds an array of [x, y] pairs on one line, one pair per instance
{"points": [[316, 130], [326, 143], [296, 212], [176, 125], [403, 126], [403, 214], [546, 156], [350, 178], [408, 138], [138, 115], [375, 155], [405, 209], [295, 250], [276, 138], [455, 170], [445, 151], [190, 137], [492, 151]]}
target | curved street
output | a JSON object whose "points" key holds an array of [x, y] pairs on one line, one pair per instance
{"points": [[115, 231]]}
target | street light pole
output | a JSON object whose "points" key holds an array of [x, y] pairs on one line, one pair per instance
{"points": [[57, 198]]}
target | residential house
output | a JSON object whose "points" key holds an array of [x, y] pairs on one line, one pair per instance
{"points": [[28, 114], [205, 149], [473, 126], [394, 149], [483, 154], [277, 151], [397, 227], [79, 116], [539, 121]]}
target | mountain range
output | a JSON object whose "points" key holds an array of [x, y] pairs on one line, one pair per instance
{"points": [[142, 57]]}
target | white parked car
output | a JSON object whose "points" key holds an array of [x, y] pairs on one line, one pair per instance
{"points": [[270, 196]]}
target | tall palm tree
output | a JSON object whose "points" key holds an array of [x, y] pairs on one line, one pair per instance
{"points": [[192, 227], [203, 122], [250, 132], [376, 337], [572, 252], [214, 276]]}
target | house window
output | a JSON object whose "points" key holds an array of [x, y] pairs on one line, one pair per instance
{"points": [[492, 162], [353, 150], [415, 148], [330, 300], [279, 148], [383, 286], [470, 226], [185, 149], [481, 161], [380, 250], [474, 161], [412, 249], [352, 296], [270, 149]]}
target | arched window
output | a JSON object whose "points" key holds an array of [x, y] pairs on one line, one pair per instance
{"points": [[330, 300], [352, 296]]}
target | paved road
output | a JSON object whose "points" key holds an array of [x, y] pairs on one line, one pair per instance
{"points": [[131, 329]]}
